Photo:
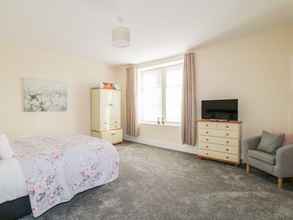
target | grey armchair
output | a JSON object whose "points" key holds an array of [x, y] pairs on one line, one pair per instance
{"points": [[279, 164]]}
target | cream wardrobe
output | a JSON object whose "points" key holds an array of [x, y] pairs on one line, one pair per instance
{"points": [[106, 114]]}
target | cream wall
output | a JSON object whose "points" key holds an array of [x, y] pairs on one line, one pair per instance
{"points": [[78, 73], [255, 68]]}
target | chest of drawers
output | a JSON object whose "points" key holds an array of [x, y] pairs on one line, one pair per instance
{"points": [[219, 140]]}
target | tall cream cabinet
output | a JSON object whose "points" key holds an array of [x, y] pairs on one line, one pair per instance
{"points": [[106, 115], [219, 140]]}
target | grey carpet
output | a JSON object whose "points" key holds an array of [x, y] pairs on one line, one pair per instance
{"points": [[161, 184]]}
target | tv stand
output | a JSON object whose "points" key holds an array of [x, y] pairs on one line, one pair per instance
{"points": [[219, 140]]}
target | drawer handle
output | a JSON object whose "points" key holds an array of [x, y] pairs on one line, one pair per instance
{"points": [[227, 134], [227, 126], [207, 139], [207, 125], [207, 153], [227, 142], [113, 134], [227, 157], [207, 132], [207, 146], [227, 149]]}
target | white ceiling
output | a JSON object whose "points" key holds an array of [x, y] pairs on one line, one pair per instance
{"points": [[159, 28]]}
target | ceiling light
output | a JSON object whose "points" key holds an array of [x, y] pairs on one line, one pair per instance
{"points": [[120, 35]]}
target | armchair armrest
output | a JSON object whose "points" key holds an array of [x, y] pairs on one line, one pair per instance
{"points": [[249, 144], [284, 161]]}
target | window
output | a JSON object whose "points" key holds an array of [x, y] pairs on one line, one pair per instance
{"points": [[160, 91]]}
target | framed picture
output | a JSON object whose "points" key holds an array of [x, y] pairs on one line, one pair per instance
{"points": [[44, 96]]}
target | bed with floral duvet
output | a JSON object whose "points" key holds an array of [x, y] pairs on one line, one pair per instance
{"points": [[55, 169]]}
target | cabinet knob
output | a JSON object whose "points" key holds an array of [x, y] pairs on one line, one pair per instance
{"points": [[227, 126], [227, 142], [227, 134], [207, 146], [207, 139], [207, 132], [227, 149], [227, 157]]}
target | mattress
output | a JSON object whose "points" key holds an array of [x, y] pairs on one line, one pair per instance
{"points": [[12, 184]]}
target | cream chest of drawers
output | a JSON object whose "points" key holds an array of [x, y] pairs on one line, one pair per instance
{"points": [[219, 140]]}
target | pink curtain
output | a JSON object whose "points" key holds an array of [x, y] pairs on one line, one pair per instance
{"points": [[131, 102], [189, 100]]}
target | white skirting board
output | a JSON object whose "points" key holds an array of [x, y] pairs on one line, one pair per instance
{"points": [[176, 147]]}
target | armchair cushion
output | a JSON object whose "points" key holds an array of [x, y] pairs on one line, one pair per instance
{"points": [[269, 142], [262, 156]]}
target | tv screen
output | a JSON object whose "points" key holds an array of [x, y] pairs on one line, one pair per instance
{"points": [[220, 109]]}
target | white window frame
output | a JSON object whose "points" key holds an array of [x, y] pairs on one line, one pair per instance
{"points": [[162, 67]]}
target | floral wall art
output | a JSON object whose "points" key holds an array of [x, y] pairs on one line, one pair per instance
{"points": [[44, 96]]}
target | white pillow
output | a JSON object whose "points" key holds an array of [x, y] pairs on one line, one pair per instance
{"points": [[5, 149]]}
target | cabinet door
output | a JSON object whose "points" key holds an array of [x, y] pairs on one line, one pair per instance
{"points": [[105, 109], [116, 110]]}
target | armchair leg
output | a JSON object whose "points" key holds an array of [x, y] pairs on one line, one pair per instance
{"points": [[247, 168], [280, 183]]}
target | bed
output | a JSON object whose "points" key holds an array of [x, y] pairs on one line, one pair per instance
{"points": [[47, 171]]}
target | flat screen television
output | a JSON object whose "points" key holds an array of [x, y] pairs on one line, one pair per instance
{"points": [[226, 109]]}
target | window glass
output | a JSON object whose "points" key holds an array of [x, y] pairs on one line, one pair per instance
{"points": [[160, 92], [150, 96]]}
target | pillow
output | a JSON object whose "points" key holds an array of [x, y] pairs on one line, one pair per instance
{"points": [[269, 142], [288, 139], [5, 149]]}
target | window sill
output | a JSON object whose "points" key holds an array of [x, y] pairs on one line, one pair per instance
{"points": [[157, 125]]}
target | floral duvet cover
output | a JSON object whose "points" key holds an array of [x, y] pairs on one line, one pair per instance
{"points": [[57, 168]]}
